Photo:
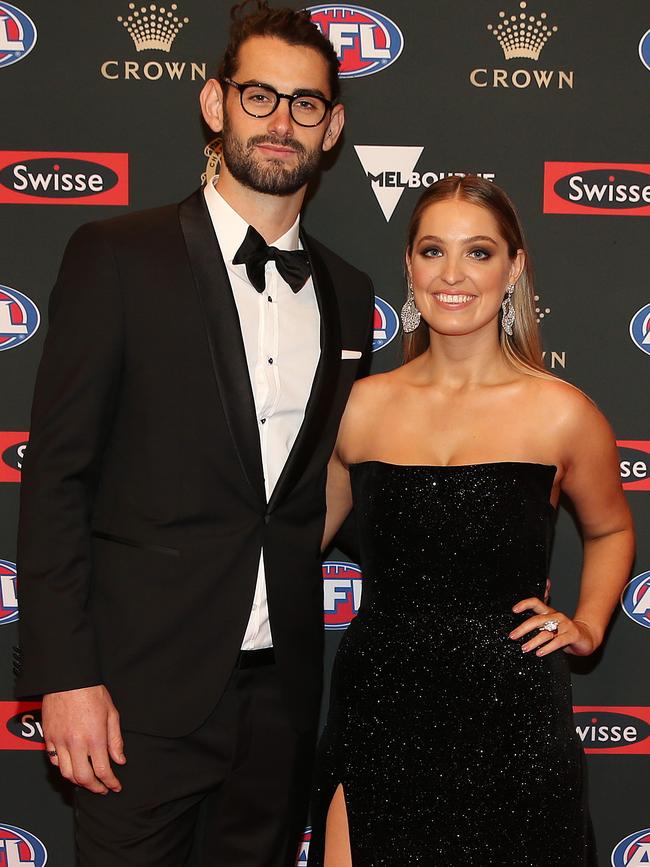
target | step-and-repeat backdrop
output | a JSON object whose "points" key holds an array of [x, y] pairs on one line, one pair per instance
{"points": [[548, 98]]}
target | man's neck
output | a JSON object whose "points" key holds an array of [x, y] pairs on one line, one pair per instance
{"points": [[272, 216]]}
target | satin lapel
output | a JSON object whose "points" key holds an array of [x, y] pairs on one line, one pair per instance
{"points": [[224, 335], [325, 379]]}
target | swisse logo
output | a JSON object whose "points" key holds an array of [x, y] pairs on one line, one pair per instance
{"points": [[391, 170], [153, 28], [17, 34], [617, 189], [21, 726], [635, 464], [12, 451], [385, 324], [19, 318], [635, 599], [640, 329], [365, 41], [633, 851], [610, 730], [20, 848], [57, 178], [341, 593], [8, 593], [303, 849], [522, 35]]}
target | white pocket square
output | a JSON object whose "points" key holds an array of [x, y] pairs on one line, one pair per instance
{"points": [[350, 353]]}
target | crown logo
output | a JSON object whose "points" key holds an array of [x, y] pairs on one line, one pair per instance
{"points": [[153, 27], [522, 35]]}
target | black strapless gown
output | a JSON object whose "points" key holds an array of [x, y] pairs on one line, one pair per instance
{"points": [[453, 747]]}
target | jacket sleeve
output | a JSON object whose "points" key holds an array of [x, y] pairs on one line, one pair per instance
{"points": [[74, 404]]}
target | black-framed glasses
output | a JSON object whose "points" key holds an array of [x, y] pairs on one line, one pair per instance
{"points": [[261, 100]]}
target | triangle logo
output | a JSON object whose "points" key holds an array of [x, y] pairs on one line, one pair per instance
{"points": [[389, 170]]}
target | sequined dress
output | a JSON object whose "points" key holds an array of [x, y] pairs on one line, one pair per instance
{"points": [[452, 746]]}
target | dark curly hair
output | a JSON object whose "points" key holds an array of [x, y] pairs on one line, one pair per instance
{"points": [[293, 27]]}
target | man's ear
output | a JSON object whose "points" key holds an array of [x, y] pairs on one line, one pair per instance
{"points": [[334, 127], [211, 100]]}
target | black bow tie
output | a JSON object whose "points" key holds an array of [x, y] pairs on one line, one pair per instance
{"points": [[254, 252]]}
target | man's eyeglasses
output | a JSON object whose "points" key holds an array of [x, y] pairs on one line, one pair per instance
{"points": [[261, 100]]}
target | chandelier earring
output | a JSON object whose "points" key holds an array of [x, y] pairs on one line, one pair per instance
{"points": [[508, 308], [410, 314]]}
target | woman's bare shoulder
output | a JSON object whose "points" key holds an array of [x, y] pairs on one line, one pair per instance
{"points": [[564, 405]]}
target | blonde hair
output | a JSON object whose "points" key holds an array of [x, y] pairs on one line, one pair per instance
{"points": [[522, 349]]}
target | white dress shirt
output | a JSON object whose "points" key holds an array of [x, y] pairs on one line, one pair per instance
{"points": [[281, 332]]}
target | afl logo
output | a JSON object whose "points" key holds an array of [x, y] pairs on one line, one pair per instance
{"points": [[633, 850], [644, 49], [385, 324], [341, 593], [365, 41], [19, 318], [19, 847], [303, 851], [635, 599], [8, 597], [17, 35], [640, 329]]}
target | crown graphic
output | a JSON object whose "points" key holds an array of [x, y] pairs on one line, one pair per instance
{"points": [[522, 35], [153, 27]]}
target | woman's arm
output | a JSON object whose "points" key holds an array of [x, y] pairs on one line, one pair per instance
{"points": [[592, 482], [339, 498]]}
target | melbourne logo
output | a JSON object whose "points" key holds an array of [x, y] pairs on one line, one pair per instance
{"points": [[391, 170], [19, 318], [341, 593], [21, 726], [635, 464], [610, 730], [153, 28], [365, 41], [8, 597], [640, 328], [385, 324], [12, 452], [617, 189], [61, 178], [17, 35], [644, 49], [635, 599], [522, 36], [633, 851], [19, 848], [303, 850]]}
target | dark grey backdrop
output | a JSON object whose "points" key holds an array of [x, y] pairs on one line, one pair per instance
{"points": [[591, 268]]}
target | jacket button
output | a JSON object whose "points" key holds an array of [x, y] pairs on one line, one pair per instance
{"points": [[267, 518]]}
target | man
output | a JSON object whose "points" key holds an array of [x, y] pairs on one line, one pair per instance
{"points": [[173, 498]]}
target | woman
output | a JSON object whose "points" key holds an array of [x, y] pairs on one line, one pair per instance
{"points": [[450, 737]]}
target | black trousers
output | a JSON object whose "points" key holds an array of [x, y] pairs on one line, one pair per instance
{"points": [[246, 772]]}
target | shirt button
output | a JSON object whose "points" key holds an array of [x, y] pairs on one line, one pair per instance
{"points": [[270, 361], [262, 421], [269, 299]]}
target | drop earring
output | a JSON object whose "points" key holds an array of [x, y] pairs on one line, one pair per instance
{"points": [[508, 318], [410, 314]]}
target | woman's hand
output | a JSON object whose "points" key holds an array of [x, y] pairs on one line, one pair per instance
{"points": [[574, 636]]}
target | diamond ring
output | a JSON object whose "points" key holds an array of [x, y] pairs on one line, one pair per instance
{"points": [[550, 625]]}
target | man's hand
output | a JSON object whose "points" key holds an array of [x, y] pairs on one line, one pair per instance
{"points": [[82, 733]]}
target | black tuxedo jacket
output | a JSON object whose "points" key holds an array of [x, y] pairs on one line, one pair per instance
{"points": [[143, 508]]}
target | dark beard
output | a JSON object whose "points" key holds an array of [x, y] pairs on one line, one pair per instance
{"points": [[272, 177]]}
